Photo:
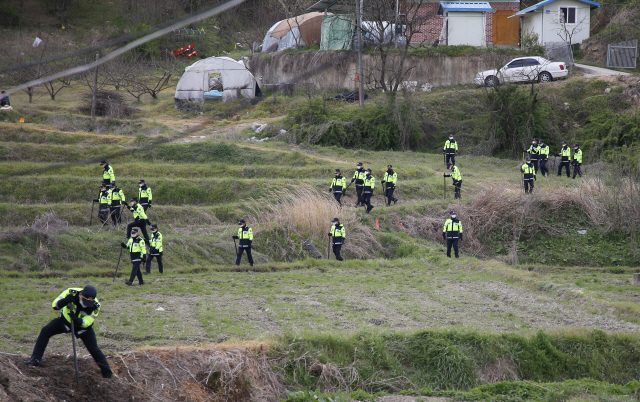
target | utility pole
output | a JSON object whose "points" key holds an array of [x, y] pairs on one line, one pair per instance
{"points": [[95, 90], [359, 4]]}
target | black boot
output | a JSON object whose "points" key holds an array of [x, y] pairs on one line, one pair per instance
{"points": [[128, 283], [32, 362], [369, 208]]}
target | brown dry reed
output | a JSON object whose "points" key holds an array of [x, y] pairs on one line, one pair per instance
{"points": [[305, 214]]}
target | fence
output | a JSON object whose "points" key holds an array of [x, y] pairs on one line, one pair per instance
{"points": [[623, 54]]}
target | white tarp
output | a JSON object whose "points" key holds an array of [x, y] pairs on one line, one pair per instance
{"points": [[269, 40], [197, 79]]}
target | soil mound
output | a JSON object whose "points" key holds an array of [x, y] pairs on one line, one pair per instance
{"points": [[219, 373]]}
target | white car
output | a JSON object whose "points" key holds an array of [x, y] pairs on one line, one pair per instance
{"points": [[523, 69]]}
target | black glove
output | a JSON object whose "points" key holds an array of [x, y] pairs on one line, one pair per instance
{"points": [[77, 321], [330, 189], [96, 200], [382, 182], [460, 236], [447, 175], [457, 151], [144, 258], [444, 236], [63, 302], [149, 206], [235, 237], [535, 178], [329, 234], [443, 151], [148, 222], [123, 245], [149, 202]]}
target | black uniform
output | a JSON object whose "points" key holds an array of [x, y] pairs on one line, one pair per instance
{"points": [[138, 253], [452, 232], [140, 221], [565, 153], [358, 177], [155, 250], [245, 234], [338, 234], [104, 206]]}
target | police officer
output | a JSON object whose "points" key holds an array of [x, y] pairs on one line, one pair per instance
{"points": [[529, 175], [565, 153], [82, 307], [104, 200], [140, 218], [245, 234], [577, 160], [338, 234], [367, 191], [338, 185], [107, 175], [450, 150], [144, 195], [452, 232], [117, 197], [543, 158], [534, 153], [359, 176], [390, 180], [456, 176], [138, 253], [155, 249]]}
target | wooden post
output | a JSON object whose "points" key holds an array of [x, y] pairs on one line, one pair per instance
{"points": [[636, 279]]}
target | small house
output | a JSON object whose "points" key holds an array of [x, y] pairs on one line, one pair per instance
{"points": [[557, 20]]}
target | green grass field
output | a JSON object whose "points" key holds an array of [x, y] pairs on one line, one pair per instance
{"points": [[401, 313]]}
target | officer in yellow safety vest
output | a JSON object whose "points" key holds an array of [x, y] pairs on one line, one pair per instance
{"points": [[450, 150], [390, 180], [529, 175], [338, 185], [577, 160], [452, 233], [245, 234], [543, 158], [144, 195], [359, 176], [155, 249], [456, 176], [338, 235], [140, 219], [104, 200], [117, 197], [138, 253], [367, 190], [81, 306], [565, 153], [107, 175], [534, 153]]}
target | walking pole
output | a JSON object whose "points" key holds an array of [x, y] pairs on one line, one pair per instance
{"points": [[234, 244], [75, 356], [114, 275], [91, 219], [344, 193], [444, 187]]}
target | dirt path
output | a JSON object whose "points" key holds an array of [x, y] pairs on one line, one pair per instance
{"points": [[591, 71]]}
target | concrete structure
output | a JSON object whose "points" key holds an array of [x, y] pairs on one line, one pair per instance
{"points": [[499, 29], [558, 20]]}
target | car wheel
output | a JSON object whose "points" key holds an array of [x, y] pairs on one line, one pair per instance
{"points": [[544, 77], [491, 81]]}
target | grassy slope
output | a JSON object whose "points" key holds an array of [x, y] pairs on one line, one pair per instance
{"points": [[205, 301]]}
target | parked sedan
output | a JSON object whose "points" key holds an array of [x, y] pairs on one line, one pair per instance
{"points": [[523, 69]]}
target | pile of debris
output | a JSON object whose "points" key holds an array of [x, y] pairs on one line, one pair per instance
{"points": [[271, 132]]}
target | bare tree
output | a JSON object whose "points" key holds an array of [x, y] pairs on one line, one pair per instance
{"points": [[150, 76], [55, 86], [568, 24]]}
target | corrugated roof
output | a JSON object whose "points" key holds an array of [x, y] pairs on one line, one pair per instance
{"points": [[479, 6], [545, 2]]}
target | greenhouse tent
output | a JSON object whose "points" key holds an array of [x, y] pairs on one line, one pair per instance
{"points": [[303, 30], [218, 74]]}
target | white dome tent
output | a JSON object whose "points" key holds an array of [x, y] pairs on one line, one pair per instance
{"points": [[200, 77]]}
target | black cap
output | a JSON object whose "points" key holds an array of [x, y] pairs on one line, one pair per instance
{"points": [[535, 139], [335, 220], [141, 181], [369, 170], [134, 230], [337, 170], [359, 164], [564, 142], [542, 141], [154, 225], [103, 184], [576, 145], [389, 167], [450, 135], [102, 162], [452, 213], [89, 291], [113, 184], [242, 221], [134, 198], [528, 159], [3, 92]]}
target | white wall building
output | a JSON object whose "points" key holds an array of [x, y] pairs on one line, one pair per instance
{"points": [[557, 20], [464, 22]]}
